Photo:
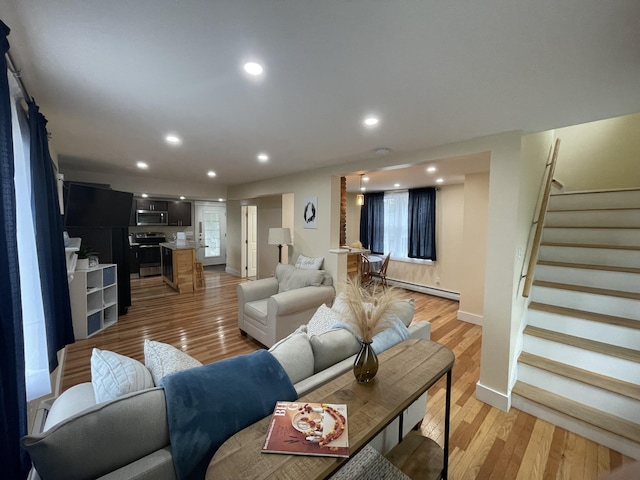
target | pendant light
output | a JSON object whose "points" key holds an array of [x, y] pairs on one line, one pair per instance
{"points": [[360, 196]]}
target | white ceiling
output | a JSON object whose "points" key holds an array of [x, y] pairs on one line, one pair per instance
{"points": [[113, 77]]}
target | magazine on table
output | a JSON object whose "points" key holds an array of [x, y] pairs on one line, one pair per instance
{"points": [[300, 428]]}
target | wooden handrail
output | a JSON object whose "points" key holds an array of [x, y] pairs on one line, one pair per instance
{"points": [[535, 246]]}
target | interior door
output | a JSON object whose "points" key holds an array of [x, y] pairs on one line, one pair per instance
{"points": [[211, 229], [252, 240]]}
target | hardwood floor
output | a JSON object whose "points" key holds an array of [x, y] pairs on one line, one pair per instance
{"points": [[485, 443]]}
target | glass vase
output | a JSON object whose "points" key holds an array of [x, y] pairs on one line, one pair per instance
{"points": [[365, 366]]}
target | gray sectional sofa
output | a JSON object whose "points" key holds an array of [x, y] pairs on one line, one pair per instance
{"points": [[128, 437]]}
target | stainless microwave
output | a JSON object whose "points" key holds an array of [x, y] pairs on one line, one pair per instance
{"points": [[151, 217]]}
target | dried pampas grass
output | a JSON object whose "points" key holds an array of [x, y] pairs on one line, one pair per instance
{"points": [[369, 308]]}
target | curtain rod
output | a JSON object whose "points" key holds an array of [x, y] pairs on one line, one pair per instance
{"points": [[17, 75]]}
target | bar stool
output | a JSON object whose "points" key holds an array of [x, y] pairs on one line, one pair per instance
{"points": [[200, 280]]}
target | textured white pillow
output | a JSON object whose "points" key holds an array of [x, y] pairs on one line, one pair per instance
{"points": [[114, 375], [309, 263], [332, 347], [295, 355], [162, 359], [322, 320]]}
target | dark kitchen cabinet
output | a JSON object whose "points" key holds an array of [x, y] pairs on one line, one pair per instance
{"points": [[180, 214], [167, 263], [134, 260], [153, 205]]}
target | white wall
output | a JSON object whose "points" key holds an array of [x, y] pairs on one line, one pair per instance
{"points": [[234, 248], [474, 248], [600, 155], [269, 216], [310, 242]]}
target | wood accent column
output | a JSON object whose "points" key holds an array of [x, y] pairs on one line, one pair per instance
{"points": [[343, 211]]}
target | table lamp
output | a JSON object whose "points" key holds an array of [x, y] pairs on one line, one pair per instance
{"points": [[280, 237]]}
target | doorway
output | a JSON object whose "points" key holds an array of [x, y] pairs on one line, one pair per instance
{"points": [[250, 241], [211, 230]]}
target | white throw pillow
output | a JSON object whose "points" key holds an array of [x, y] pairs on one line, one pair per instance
{"points": [[291, 278], [295, 355], [114, 375], [322, 320], [332, 347], [309, 263], [163, 359]]}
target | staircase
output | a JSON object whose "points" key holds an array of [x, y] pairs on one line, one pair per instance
{"points": [[580, 364]]}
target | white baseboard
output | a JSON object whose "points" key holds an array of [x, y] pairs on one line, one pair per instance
{"points": [[470, 317], [232, 271], [436, 292], [493, 397]]}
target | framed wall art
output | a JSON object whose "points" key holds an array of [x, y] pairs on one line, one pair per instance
{"points": [[310, 212]]}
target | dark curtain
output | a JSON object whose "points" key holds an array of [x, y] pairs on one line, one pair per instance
{"points": [[13, 407], [49, 240], [372, 222], [422, 223]]}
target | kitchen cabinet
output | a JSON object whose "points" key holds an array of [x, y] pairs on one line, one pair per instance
{"points": [[178, 267], [94, 299], [152, 205], [180, 214], [134, 260]]}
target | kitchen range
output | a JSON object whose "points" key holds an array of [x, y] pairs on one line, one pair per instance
{"points": [[149, 255]]}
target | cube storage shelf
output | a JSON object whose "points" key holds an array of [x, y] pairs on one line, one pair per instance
{"points": [[94, 299]]}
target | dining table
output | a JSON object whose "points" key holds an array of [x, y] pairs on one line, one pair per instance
{"points": [[375, 263]]}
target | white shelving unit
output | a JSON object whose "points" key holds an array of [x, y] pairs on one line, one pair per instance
{"points": [[94, 299]]}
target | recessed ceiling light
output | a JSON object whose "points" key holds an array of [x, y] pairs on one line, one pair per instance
{"points": [[371, 121], [211, 173], [263, 157], [253, 68], [439, 180], [431, 169], [181, 197], [144, 195], [173, 139], [221, 199], [396, 185], [382, 151], [142, 165], [365, 179], [362, 189]]}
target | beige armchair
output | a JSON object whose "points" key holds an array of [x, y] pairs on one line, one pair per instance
{"points": [[271, 308]]}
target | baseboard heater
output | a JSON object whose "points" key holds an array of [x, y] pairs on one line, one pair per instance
{"points": [[436, 292]]}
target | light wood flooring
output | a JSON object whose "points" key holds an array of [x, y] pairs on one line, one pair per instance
{"points": [[486, 443]]}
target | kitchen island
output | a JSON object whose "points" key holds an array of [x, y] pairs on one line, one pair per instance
{"points": [[178, 265]]}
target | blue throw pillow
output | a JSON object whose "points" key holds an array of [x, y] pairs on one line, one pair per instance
{"points": [[386, 339]]}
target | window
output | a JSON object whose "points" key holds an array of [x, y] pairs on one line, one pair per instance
{"points": [[404, 226], [396, 224]]}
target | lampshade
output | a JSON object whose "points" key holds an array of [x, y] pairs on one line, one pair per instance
{"points": [[279, 236]]}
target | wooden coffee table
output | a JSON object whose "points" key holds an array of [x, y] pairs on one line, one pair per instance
{"points": [[406, 371]]}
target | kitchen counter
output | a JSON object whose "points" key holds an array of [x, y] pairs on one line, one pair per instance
{"points": [[178, 265], [182, 246]]}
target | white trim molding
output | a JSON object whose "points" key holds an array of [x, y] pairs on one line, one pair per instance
{"points": [[436, 292], [232, 271], [494, 398], [470, 317]]}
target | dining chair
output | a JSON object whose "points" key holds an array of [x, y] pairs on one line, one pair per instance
{"points": [[382, 273], [365, 270]]}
